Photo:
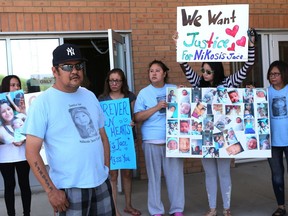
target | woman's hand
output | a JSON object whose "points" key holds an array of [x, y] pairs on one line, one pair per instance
{"points": [[19, 143], [161, 105], [175, 37], [132, 123], [252, 36]]}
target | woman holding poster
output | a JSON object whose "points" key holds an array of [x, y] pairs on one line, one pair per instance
{"points": [[278, 100], [213, 76], [12, 152], [147, 110], [116, 87]]}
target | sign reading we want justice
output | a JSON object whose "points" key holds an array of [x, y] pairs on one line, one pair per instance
{"points": [[212, 33]]}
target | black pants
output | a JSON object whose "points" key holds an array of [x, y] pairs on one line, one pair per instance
{"points": [[8, 173], [277, 170]]}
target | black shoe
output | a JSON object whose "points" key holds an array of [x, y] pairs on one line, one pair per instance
{"points": [[279, 212]]}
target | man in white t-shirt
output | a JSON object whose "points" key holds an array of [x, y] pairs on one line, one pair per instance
{"points": [[70, 122]]}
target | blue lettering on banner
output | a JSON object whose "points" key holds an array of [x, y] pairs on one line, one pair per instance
{"points": [[119, 132]]}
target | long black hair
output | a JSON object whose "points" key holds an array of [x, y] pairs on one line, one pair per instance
{"points": [[124, 88], [218, 75], [5, 85]]}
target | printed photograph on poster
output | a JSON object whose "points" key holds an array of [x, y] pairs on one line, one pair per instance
{"points": [[13, 115], [218, 123]]}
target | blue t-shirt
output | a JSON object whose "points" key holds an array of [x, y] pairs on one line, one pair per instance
{"points": [[69, 124], [154, 128], [278, 101]]}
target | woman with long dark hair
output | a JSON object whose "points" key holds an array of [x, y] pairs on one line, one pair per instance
{"points": [[116, 87], [12, 154]]}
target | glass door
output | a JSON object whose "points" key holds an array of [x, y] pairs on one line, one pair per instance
{"points": [[276, 46]]}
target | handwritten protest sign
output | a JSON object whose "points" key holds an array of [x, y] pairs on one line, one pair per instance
{"points": [[119, 132], [218, 123], [212, 33]]}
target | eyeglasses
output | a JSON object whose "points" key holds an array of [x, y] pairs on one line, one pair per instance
{"points": [[274, 74], [117, 82], [70, 67], [15, 84], [209, 72]]}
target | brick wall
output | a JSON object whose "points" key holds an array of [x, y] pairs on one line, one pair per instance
{"points": [[152, 23]]}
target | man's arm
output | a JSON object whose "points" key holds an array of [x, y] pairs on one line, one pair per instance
{"points": [[106, 146], [57, 198]]}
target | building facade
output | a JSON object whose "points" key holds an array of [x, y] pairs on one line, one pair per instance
{"points": [[122, 33]]}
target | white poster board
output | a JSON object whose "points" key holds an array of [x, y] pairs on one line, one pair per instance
{"points": [[217, 123], [213, 33]]}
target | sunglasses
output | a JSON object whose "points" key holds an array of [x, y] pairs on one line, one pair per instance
{"points": [[70, 67], [207, 71]]}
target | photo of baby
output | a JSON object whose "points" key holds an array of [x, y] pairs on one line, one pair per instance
{"points": [[171, 97], [230, 136], [261, 95], [221, 95], [248, 96], [217, 109], [235, 96], [208, 95], [184, 145], [263, 126], [234, 149], [185, 110], [251, 142], [184, 127], [264, 142], [185, 96], [262, 110], [172, 144], [172, 110]]}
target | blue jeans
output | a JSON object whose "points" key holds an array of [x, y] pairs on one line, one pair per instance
{"points": [[277, 171]]}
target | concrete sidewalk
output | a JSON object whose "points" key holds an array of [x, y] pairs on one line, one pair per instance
{"points": [[252, 194]]}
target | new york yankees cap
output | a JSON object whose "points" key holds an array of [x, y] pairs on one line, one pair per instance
{"points": [[65, 53]]}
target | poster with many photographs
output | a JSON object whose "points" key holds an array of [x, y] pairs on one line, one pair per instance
{"points": [[217, 123]]}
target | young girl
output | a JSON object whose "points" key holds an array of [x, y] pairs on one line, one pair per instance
{"points": [[278, 100], [213, 76]]}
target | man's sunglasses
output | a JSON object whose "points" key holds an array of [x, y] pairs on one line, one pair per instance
{"points": [[207, 71], [70, 67]]}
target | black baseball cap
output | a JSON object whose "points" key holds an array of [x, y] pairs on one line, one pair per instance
{"points": [[66, 52]]}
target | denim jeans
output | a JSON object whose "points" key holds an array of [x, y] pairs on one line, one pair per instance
{"points": [[277, 172]]}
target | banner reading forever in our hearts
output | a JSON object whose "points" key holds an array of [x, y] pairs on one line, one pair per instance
{"points": [[217, 123], [213, 33], [119, 132]]}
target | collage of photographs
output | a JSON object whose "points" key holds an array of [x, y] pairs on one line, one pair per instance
{"points": [[217, 122]]}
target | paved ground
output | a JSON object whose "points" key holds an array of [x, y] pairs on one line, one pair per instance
{"points": [[252, 194]]}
